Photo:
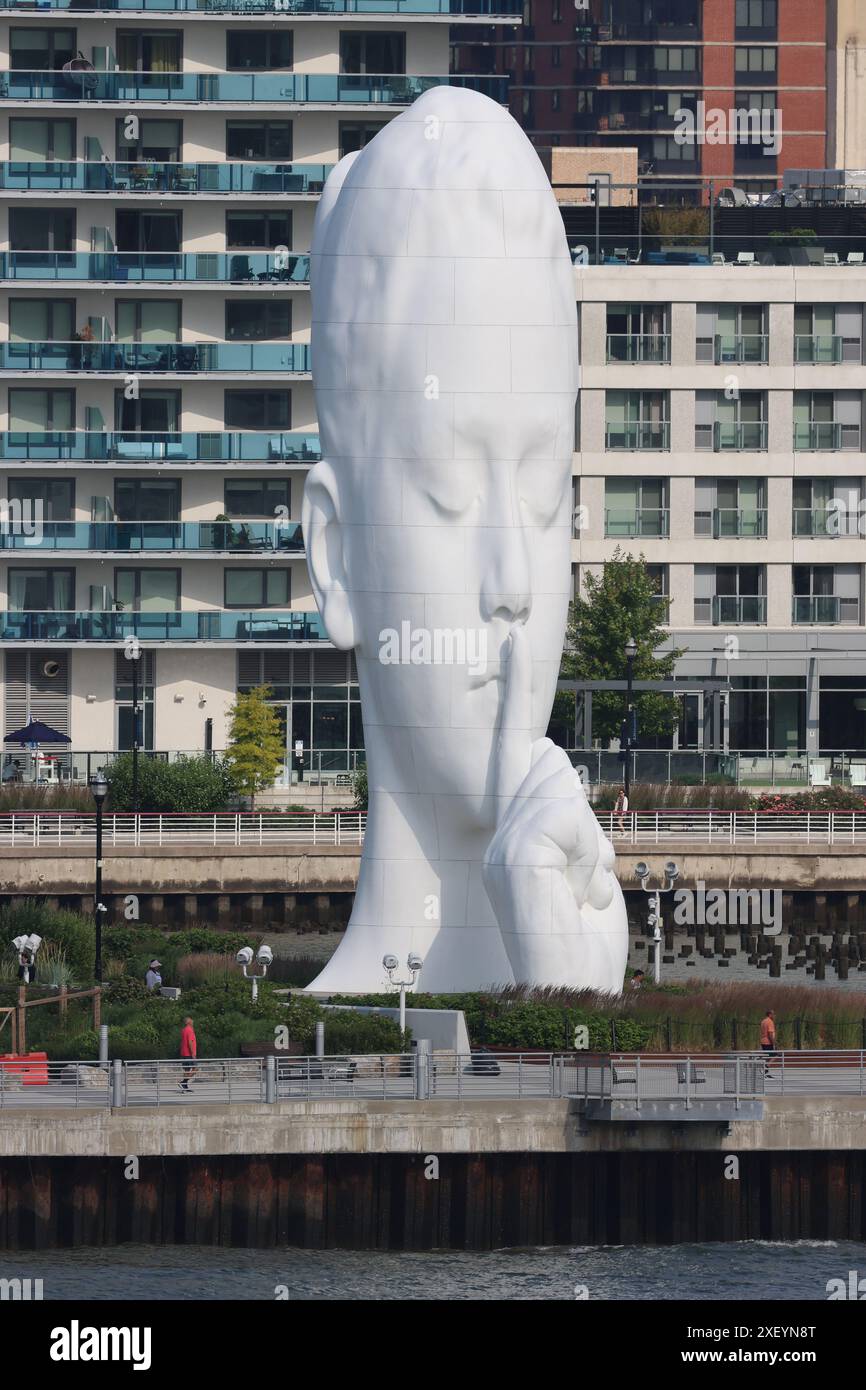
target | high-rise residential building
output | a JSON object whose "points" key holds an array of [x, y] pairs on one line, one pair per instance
{"points": [[621, 72], [161, 167], [721, 435]]}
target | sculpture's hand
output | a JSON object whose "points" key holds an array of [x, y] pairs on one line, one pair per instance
{"points": [[549, 869]]}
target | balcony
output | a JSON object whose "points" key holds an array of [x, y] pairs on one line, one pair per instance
{"points": [[645, 521], [144, 176], [197, 537], [484, 9], [638, 347], [736, 609], [204, 625], [644, 435], [826, 522], [735, 523], [740, 347], [820, 348], [739, 436], [194, 88], [129, 267], [174, 358], [133, 447], [824, 609], [828, 435]]}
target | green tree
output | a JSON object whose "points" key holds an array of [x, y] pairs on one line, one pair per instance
{"points": [[622, 602], [257, 746], [187, 784]]}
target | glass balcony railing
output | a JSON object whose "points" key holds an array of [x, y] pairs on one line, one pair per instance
{"points": [[738, 523], [645, 521], [823, 608], [827, 521], [208, 625], [816, 347], [739, 608], [381, 89], [249, 267], [638, 347], [826, 434], [187, 446], [147, 176], [638, 435], [234, 537], [484, 9], [741, 347], [740, 435], [155, 357]]}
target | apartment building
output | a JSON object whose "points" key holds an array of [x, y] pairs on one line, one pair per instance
{"points": [[721, 435], [617, 72], [158, 182]]}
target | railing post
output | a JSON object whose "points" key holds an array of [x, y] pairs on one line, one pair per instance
{"points": [[270, 1080], [737, 1082], [688, 1081], [116, 1084], [636, 1081]]}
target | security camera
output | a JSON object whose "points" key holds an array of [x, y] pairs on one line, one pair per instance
{"points": [[390, 962], [244, 955], [641, 870], [672, 870], [415, 962], [264, 955]]}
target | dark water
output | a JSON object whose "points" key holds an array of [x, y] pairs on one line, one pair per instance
{"points": [[753, 1270]]}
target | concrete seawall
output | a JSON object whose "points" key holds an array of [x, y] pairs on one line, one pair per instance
{"points": [[428, 1176]]}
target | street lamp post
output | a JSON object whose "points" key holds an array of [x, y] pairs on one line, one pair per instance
{"points": [[654, 920], [99, 790], [630, 654], [414, 963], [134, 657]]}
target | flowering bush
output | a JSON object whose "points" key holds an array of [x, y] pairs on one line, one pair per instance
{"points": [[819, 799]]}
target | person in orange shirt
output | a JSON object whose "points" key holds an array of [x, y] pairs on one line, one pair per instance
{"points": [[188, 1052], [768, 1036]]}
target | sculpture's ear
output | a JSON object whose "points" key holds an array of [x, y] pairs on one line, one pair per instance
{"points": [[323, 541]]}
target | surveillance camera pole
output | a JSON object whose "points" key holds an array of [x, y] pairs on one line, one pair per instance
{"points": [[403, 985], [99, 789]]}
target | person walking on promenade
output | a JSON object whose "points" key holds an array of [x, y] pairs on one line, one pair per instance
{"points": [[620, 810], [188, 1054], [768, 1038]]}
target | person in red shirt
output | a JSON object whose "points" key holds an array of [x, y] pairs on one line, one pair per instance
{"points": [[768, 1037], [188, 1053]]}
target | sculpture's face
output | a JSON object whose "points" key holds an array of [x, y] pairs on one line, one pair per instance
{"points": [[445, 365]]}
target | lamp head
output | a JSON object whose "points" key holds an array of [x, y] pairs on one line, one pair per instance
{"points": [[631, 649], [641, 871], [390, 962], [672, 870], [414, 962], [98, 788], [264, 955], [244, 955]]}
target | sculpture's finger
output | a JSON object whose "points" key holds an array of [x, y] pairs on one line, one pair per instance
{"points": [[513, 753]]}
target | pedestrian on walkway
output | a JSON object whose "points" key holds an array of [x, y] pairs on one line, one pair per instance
{"points": [[768, 1037], [620, 810], [188, 1054]]}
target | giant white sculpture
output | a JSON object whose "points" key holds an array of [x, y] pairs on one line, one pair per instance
{"points": [[438, 530]]}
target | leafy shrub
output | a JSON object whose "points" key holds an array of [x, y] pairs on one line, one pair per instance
{"points": [[125, 990], [186, 785], [362, 1033], [79, 1047]]}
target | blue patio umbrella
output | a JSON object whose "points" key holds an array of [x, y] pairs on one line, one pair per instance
{"points": [[35, 733]]}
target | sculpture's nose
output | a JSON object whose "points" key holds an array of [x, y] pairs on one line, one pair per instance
{"points": [[505, 584]]}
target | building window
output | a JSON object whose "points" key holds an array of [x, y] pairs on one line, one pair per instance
{"points": [[756, 60], [41, 320], [41, 50], [354, 135], [258, 140], [554, 100], [256, 320], [139, 231], [57, 495], [257, 588], [41, 590], [258, 231], [259, 50], [675, 59], [373, 52], [160, 141], [756, 14], [147, 590], [147, 320], [37, 411], [36, 140], [258, 410], [147, 499], [41, 229], [123, 699], [258, 497], [154, 412], [556, 56], [148, 50]]}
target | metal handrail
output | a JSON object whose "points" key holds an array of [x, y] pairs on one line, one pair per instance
{"points": [[634, 1078]]}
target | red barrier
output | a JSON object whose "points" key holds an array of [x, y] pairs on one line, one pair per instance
{"points": [[32, 1067]]}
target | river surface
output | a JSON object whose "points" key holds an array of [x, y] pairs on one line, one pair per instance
{"points": [[749, 1270]]}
